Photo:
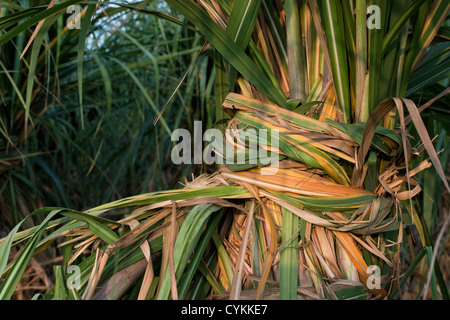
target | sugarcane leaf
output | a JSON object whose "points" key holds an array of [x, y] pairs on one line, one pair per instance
{"points": [[192, 267], [393, 32], [148, 98], [289, 256], [59, 288], [85, 24], [187, 239], [33, 62], [352, 293], [96, 224], [18, 266], [35, 19], [356, 131], [434, 67], [229, 49], [344, 203], [6, 247], [240, 27], [334, 31], [150, 12], [16, 17]]}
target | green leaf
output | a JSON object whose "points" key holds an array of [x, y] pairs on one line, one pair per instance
{"points": [[16, 17], [329, 203], [434, 293], [334, 31], [150, 12], [289, 256], [296, 52], [33, 62], [192, 267], [96, 224], [356, 132], [18, 266], [145, 94], [240, 26], [186, 242], [85, 24], [399, 23], [352, 293], [59, 288], [35, 19], [434, 67], [229, 49]]}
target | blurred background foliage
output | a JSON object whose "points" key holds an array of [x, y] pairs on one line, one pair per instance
{"points": [[80, 153]]}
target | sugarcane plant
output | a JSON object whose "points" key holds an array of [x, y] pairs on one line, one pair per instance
{"points": [[331, 208]]}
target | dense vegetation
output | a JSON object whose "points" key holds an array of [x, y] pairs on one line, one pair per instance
{"points": [[360, 98]]}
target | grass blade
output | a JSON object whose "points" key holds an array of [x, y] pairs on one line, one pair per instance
{"points": [[229, 49], [297, 80], [35, 19], [334, 31], [18, 267], [289, 256], [187, 239], [240, 26], [87, 15]]}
